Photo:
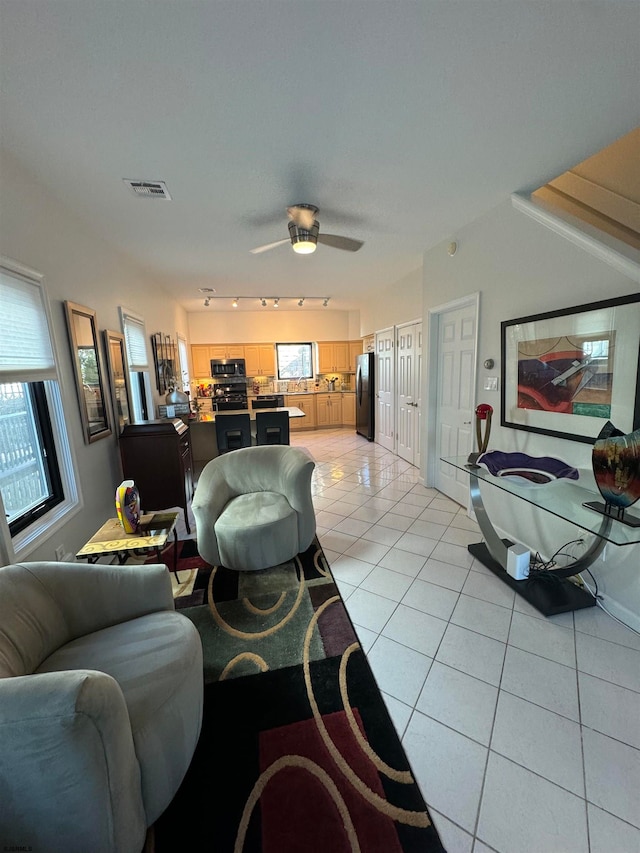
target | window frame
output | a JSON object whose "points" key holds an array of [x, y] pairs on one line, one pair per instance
{"points": [[295, 344], [43, 525]]}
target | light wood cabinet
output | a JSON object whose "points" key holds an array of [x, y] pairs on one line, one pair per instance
{"points": [[226, 351], [349, 409], [328, 409], [355, 349], [306, 402], [200, 359], [259, 359], [201, 355], [338, 356]]}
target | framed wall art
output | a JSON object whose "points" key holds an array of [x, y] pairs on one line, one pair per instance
{"points": [[566, 373]]}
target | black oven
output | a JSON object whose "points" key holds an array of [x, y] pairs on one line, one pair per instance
{"points": [[228, 368], [228, 396]]}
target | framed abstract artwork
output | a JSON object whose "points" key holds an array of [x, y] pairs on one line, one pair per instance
{"points": [[566, 373]]}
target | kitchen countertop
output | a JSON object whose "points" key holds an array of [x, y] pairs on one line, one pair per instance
{"points": [[210, 417]]}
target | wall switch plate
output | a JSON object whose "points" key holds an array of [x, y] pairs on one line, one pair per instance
{"points": [[491, 383]]}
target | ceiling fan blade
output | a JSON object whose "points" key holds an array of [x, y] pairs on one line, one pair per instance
{"points": [[337, 242], [269, 246]]}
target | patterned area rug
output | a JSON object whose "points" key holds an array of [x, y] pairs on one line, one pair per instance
{"points": [[297, 751]]}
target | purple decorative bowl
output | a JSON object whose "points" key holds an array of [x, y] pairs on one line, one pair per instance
{"points": [[525, 469]]}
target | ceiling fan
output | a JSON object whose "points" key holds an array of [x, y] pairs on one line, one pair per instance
{"points": [[304, 233]]}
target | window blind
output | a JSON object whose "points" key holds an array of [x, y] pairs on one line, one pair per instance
{"points": [[136, 339], [26, 352]]}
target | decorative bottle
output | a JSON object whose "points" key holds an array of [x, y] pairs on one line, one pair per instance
{"points": [[128, 506]]}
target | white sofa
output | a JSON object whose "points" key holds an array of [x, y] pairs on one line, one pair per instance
{"points": [[101, 687]]}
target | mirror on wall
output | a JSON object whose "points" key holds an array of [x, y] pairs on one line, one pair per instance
{"points": [[89, 374], [118, 371]]}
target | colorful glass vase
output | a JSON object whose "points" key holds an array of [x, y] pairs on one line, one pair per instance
{"points": [[616, 466], [128, 506]]}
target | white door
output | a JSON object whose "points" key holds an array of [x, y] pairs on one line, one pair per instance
{"points": [[384, 385], [408, 393], [455, 395], [417, 395]]}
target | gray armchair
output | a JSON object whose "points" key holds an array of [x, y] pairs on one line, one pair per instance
{"points": [[101, 686], [253, 507]]}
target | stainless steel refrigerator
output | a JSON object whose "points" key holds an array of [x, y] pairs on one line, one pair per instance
{"points": [[365, 395]]}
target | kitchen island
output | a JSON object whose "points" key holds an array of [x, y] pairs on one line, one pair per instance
{"points": [[204, 445]]}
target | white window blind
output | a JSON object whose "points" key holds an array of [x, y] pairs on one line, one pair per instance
{"points": [[136, 338], [26, 353]]}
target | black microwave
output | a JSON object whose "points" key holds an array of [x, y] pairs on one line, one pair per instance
{"points": [[228, 368]]}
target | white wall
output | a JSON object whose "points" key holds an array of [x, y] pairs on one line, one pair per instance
{"points": [[400, 302], [37, 232], [521, 268], [270, 324]]}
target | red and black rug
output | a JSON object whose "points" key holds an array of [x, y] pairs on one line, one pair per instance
{"points": [[297, 751]]}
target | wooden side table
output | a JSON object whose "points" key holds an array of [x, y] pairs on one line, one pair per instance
{"points": [[155, 529]]}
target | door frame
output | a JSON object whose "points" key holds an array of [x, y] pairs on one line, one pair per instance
{"points": [[430, 354]]}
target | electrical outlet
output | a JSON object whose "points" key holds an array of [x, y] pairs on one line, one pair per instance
{"points": [[59, 552]]}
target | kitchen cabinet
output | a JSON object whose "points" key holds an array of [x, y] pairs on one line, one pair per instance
{"points": [[306, 402], [156, 455], [329, 409], [201, 355], [349, 409], [333, 356], [355, 349], [226, 351], [259, 359]]}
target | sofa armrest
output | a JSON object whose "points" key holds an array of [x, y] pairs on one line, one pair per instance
{"points": [[69, 776], [212, 495], [92, 597]]}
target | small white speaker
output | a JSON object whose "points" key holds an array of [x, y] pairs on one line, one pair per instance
{"points": [[518, 562]]}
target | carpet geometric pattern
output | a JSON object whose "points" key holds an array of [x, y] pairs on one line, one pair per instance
{"points": [[297, 751]]}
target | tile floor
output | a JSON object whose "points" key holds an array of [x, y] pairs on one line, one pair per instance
{"points": [[523, 732]]}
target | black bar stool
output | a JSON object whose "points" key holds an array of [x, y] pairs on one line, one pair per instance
{"points": [[272, 427], [233, 432]]}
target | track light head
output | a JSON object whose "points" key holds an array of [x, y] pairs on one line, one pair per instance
{"points": [[235, 303], [263, 302], [207, 302], [276, 302], [326, 302], [301, 302]]}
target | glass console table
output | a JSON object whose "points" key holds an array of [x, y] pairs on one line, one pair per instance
{"points": [[549, 591]]}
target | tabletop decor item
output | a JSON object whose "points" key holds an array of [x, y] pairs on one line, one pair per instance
{"points": [[525, 469], [128, 506], [616, 467], [483, 413]]}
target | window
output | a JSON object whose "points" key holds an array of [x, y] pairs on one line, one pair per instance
{"points": [[30, 480], [295, 361], [136, 341], [37, 486]]}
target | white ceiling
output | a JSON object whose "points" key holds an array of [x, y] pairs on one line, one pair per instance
{"points": [[401, 121]]}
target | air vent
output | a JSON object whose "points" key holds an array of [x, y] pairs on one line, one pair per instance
{"points": [[148, 189]]}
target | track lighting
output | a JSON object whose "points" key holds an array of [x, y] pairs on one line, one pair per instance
{"points": [[326, 302], [310, 301], [301, 302], [263, 302], [207, 302], [276, 302], [235, 303]]}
